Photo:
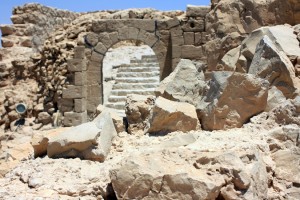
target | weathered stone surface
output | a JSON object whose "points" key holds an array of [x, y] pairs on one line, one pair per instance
{"points": [[287, 165], [229, 61], [168, 116], [274, 66], [275, 97], [44, 118], [73, 92], [117, 120], [234, 101], [197, 11], [184, 84], [137, 110], [74, 119], [90, 141], [192, 52], [39, 143], [76, 65]]}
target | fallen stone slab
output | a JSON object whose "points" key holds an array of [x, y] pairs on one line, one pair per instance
{"points": [[168, 116], [91, 141], [233, 100]]}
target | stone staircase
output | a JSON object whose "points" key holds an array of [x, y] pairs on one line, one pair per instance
{"points": [[138, 77]]}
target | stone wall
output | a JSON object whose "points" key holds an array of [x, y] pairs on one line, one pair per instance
{"points": [[32, 24]]}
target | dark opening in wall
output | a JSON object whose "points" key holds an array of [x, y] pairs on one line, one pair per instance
{"points": [[192, 24]]}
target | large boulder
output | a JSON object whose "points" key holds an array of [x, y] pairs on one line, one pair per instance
{"points": [[241, 58], [168, 116], [185, 174], [244, 16], [91, 141], [184, 84], [137, 110], [273, 65], [233, 100], [275, 97]]}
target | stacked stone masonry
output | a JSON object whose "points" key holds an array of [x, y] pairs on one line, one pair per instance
{"points": [[171, 35]]}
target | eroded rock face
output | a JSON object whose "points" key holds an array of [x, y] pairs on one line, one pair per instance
{"points": [[168, 116], [89, 141], [188, 178], [184, 84], [137, 109], [238, 97]]}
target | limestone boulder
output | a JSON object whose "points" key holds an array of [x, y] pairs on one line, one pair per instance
{"points": [[275, 97], [184, 84], [44, 118], [168, 116], [245, 16], [137, 109], [287, 165], [233, 100], [117, 120], [273, 65], [91, 141], [184, 174]]}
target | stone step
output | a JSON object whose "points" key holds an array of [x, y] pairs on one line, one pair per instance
{"points": [[151, 64], [149, 56], [140, 74], [113, 99], [135, 86], [138, 69], [146, 61], [116, 105], [126, 92], [137, 80]]}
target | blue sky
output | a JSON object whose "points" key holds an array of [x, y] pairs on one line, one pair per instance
{"points": [[92, 5]]}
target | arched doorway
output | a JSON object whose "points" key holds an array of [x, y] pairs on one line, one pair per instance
{"points": [[129, 67]]}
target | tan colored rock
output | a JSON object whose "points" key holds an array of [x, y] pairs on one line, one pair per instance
{"points": [[274, 66], [184, 84], [90, 140], [233, 100], [275, 97], [168, 116], [117, 120], [137, 110], [44, 118]]}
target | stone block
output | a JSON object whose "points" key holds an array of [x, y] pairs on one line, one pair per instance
{"points": [[105, 40], [74, 92], [74, 119], [99, 26], [79, 105], [93, 77], [167, 24], [92, 103], [145, 24], [96, 57], [65, 105], [94, 91], [192, 52], [80, 78], [189, 38], [198, 39], [177, 40], [100, 48], [79, 52], [7, 42], [142, 35], [176, 31], [133, 33], [76, 65], [151, 39], [193, 25], [91, 39], [95, 66], [176, 51], [123, 33], [7, 29], [114, 37], [197, 11]]}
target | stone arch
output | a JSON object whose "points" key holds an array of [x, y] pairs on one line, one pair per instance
{"points": [[105, 34]]}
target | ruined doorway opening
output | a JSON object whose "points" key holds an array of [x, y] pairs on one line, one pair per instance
{"points": [[129, 67]]}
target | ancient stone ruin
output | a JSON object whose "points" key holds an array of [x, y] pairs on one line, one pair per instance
{"points": [[212, 113]]}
